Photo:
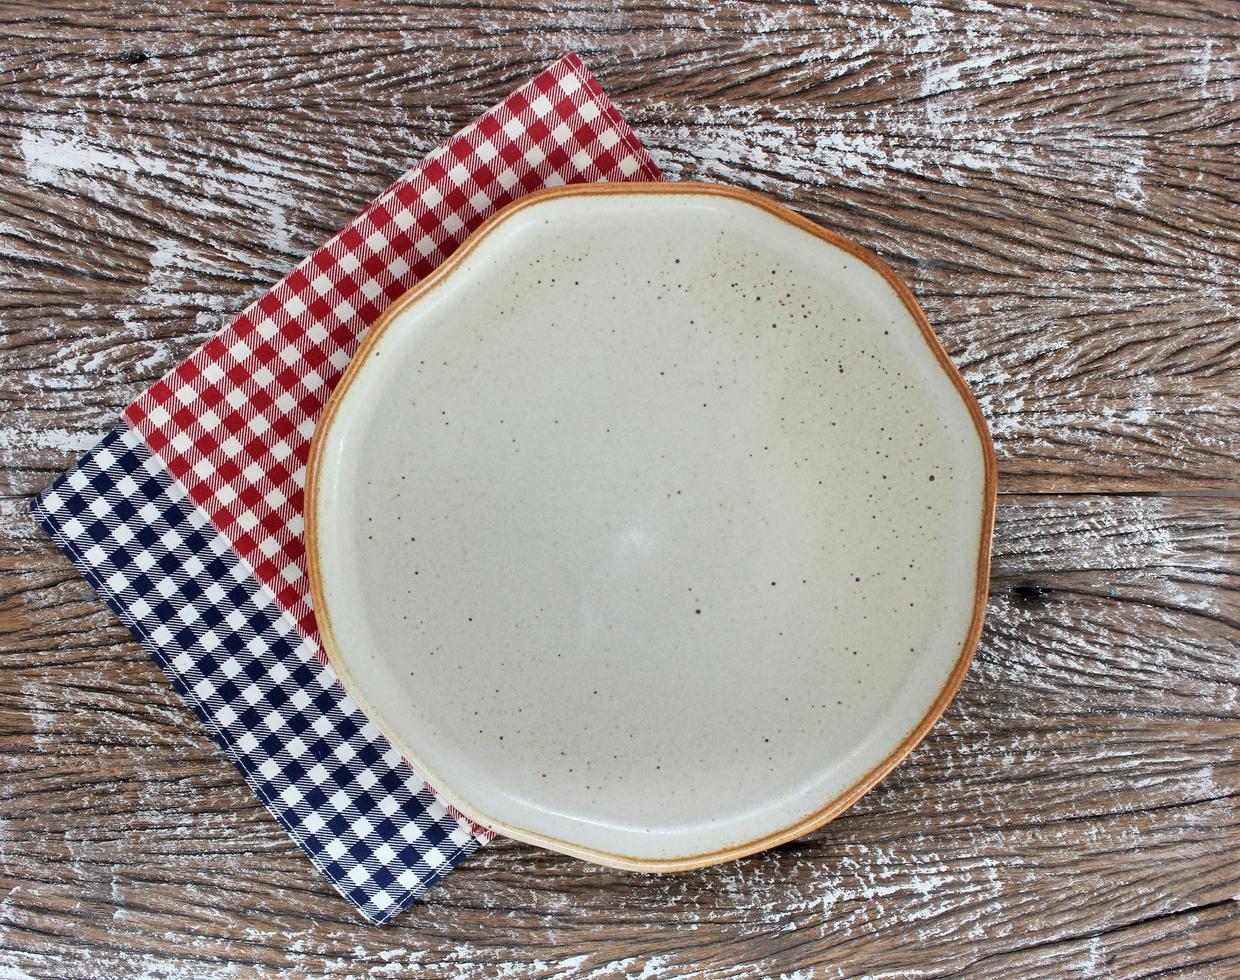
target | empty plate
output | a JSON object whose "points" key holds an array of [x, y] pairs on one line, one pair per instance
{"points": [[653, 527]]}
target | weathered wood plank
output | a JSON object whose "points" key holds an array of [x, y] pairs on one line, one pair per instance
{"points": [[1055, 183], [1056, 180], [1077, 810]]}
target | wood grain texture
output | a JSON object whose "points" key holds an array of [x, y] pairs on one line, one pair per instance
{"points": [[1078, 807], [1057, 181], [1054, 182]]}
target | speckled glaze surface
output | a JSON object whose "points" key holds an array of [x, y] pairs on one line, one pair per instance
{"points": [[655, 527]]}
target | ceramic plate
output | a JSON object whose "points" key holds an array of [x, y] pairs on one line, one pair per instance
{"points": [[654, 527]]}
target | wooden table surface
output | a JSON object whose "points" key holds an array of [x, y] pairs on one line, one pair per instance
{"points": [[1057, 180]]}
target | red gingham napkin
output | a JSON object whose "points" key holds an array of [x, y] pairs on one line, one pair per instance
{"points": [[233, 422]]}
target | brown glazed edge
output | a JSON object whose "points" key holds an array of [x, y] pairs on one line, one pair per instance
{"points": [[850, 796]]}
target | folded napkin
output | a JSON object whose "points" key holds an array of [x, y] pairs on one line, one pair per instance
{"points": [[187, 517]]}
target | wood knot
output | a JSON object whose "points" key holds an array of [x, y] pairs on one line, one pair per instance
{"points": [[1030, 595]]}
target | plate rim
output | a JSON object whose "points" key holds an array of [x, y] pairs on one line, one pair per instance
{"points": [[838, 804]]}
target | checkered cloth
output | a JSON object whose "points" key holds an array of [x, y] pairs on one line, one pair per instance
{"points": [[187, 518]]}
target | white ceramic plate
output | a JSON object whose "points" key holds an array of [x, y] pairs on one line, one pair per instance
{"points": [[654, 527]]}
